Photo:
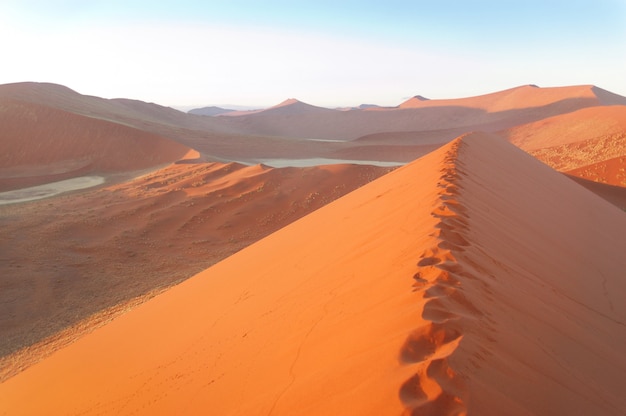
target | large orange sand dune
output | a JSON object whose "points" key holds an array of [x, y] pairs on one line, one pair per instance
{"points": [[71, 262], [475, 280]]}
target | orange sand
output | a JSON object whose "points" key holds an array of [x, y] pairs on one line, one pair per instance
{"points": [[611, 172], [72, 261], [475, 280], [526, 96], [589, 143]]}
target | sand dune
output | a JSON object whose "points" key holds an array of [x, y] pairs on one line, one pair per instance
{"points": [[64, 259], [134, 113], [475, 280], [614, 194], [589, 143], [611, 171], [574, 127], [526, 96], [445, 119], [286, 130], [40, 144]]}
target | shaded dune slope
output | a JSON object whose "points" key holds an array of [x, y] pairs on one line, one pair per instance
{"points": [[616, 195], [41, 144], [475, 280], [134, 113]]}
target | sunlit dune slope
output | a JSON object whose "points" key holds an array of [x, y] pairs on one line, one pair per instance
{"points": [[526, 96], [580, 125], [475, 280], [611, 171], [124, 242], [590, 143], [442, 118], [39, 144]]}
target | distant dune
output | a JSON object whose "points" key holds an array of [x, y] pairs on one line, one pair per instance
{"points": [[577, 126], [490, 112], [293, 129], [526, 96], [39, 144], [209, 111], [475, 280], [590, 143]]}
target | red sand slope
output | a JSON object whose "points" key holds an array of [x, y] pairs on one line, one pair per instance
{"points": [[475, 280], [526, 96], [611, 172], [64, 259], [577, 126], [40, 144], [588, 143]]}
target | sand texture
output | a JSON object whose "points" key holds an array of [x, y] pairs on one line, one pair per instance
{"points": [[589, 143], [475, 280], [73, 262]]}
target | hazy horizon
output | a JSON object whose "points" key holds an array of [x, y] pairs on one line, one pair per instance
{"points": [[189, 54]]}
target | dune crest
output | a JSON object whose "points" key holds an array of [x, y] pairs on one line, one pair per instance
{"points": [[436, 388]]}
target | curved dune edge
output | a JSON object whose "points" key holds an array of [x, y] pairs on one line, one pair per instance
{"points": [[515, 308], [610, 172]]}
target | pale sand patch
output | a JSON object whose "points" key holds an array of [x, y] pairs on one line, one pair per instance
{"points": [[50, 189], [320, 161]]}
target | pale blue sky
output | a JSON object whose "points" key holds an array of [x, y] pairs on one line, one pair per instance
{"points": [[329, 53]]}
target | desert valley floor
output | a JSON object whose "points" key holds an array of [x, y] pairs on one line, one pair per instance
{"points": [[448, 257]]}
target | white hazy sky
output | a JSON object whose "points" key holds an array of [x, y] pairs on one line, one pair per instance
{"points": [[187, 53]]}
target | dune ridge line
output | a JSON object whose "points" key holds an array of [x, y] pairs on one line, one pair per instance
{"points": [[436, 388]]}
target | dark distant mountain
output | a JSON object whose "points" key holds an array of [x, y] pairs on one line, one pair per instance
{"points": [[360, 107], [366, 106], [210, 111]]}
